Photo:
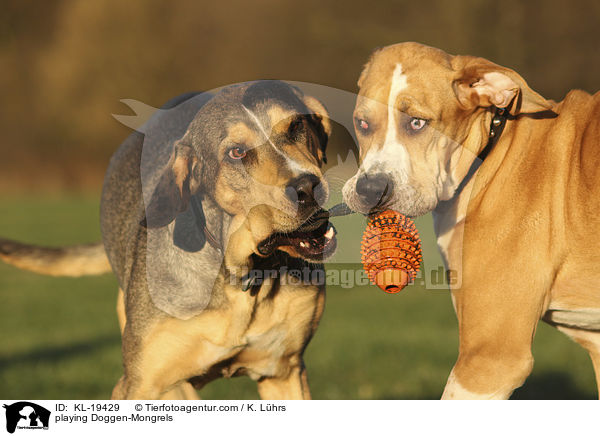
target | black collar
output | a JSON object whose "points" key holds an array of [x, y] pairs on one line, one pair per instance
{"points": [[496, 128]]}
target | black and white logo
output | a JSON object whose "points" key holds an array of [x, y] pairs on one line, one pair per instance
{"points": [[26, 415]]}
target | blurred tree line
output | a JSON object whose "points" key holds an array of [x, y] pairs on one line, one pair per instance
{"points": [[65, 64]]}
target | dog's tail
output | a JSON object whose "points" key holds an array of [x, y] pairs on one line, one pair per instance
{"points": [[71, 261]]}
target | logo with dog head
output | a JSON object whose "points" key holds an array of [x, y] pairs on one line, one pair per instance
{"points": [[26, 415]]}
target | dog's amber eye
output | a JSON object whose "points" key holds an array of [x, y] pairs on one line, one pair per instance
{"points": [[417, 123], [236, 153], [361, 125]]}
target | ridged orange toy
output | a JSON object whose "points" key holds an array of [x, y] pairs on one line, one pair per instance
{"points": [[391, 251]]}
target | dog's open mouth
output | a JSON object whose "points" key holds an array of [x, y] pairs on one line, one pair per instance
{"points": [[314, 240]]}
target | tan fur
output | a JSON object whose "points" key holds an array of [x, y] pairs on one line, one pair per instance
{"points": [[240, 133], [246, 331], [183, 391], [73, 261], [523, 235], [260, 333], [254, 214], [121, 316], [181, 169]]}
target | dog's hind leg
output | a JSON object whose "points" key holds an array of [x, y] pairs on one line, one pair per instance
{"points": [[590, 340]]}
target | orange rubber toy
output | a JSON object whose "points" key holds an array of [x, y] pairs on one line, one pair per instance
{"points": [[391, 251]]}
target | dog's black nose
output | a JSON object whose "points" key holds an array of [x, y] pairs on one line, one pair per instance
{"points": [[374, 188], [301, 189]]}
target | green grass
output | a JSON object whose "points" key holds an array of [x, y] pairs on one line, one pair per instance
{"points": [[60, 338]]}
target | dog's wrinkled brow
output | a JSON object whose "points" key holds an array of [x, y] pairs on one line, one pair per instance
{"points": [[260, 126], [292, 164]]}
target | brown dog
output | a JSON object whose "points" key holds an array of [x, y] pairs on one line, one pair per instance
{"points": [[520, 229], [206, 217]]}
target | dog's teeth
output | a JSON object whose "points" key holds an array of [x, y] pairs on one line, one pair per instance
{"points": [[329, 233], [303, 244]]}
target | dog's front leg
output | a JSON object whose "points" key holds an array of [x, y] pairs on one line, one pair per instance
{"points": [[293, 386], [158, 363], [183, 391], [490, 365], [496, 329]]}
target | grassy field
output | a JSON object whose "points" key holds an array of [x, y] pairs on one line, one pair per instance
{"points": [[60, 338]]}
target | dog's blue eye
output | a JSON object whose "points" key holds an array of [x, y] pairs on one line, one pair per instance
{"points": [[417, 124], [236, 153]]}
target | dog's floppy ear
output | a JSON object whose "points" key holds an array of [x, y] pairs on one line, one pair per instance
{"points": [[322, 122], [178, 182], [483, 83], [188, 233]]}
